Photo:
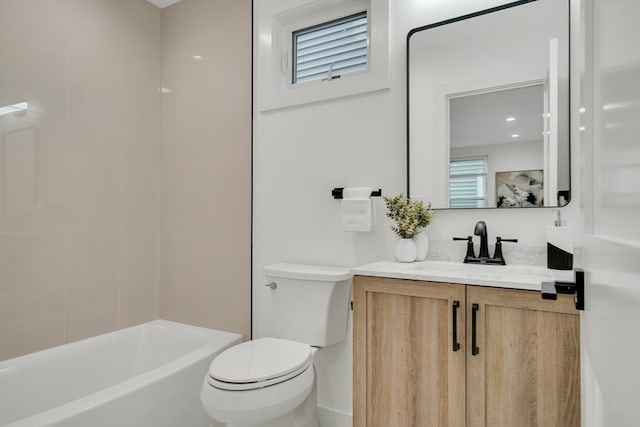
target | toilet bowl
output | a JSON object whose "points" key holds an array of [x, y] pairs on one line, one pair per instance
{"points": [[258, 382], [271, 381]]}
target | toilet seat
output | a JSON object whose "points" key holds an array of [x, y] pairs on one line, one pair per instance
{"points": [[253, 407], [259, 363]]}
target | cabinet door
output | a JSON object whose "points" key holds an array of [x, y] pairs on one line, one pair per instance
{"points": [[406, 372], [527, 368]]}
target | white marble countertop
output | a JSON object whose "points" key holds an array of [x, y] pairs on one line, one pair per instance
{"points": [[528, 277]]}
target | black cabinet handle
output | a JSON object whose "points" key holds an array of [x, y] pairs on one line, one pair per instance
{"points": [[474, 343], [454, 320]]}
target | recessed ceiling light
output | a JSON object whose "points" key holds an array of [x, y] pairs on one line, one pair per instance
{"points": [[197, 58], [510, 119], [515, 135]]}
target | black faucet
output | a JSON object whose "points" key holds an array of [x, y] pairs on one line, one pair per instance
{"points": [[481, 230], [483, 256]]}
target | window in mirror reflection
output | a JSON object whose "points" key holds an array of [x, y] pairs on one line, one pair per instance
{"points": [[468, 183]]}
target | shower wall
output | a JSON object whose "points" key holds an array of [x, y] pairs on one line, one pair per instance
{"points": [[125, 187], [78, 169], [205, 233]]}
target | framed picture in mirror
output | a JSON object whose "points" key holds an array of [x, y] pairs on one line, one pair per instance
{"points": [[520, 189]]}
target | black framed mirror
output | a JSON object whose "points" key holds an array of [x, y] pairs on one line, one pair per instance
{"points": [[488, 108]]}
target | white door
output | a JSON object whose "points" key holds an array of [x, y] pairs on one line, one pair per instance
{"points": [[611, 194]]}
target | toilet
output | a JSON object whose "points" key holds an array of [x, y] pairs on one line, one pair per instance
{"points": [[271, 381]]}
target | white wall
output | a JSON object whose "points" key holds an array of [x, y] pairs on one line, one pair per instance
{"points": [[300, 153]]}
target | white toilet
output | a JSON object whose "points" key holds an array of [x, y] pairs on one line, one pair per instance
{"points": [[270, 382]]}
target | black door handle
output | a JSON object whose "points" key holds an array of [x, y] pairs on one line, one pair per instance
{"points": [[474, 343], [454, 320]]}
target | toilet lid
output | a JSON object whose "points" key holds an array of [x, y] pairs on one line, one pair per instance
{"points": [[258, 363]]}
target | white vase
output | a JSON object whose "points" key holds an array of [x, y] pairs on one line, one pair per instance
{"points": [[422, 245], [406, 250]]}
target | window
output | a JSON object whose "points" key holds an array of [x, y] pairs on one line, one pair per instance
{"points": [[279, 23], [330, 50], [468, 183]]}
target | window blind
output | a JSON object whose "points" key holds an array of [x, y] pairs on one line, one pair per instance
{"points": [[468, 183], [340, 45]]}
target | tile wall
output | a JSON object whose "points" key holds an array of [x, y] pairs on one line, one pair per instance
{"points": [[120, 203], [205, 233], [78, 170]]}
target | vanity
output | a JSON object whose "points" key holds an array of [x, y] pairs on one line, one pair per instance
{"points": [[450, 344]]}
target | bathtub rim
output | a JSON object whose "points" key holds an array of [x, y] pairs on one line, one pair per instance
{"points": [[133, 384]]}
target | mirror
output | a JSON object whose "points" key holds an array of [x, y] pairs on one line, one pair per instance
{"points": [[488, 108]]}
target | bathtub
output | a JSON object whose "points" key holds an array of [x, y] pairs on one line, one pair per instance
{"points": [[144, 376]]}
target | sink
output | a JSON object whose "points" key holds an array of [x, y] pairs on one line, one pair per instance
{"points": [[527, 277], [503, 274]]}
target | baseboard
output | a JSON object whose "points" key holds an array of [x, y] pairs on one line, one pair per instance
{"points": [[332, 418]]}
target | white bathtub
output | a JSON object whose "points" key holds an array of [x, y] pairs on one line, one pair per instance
{"points": [[145, 376]]}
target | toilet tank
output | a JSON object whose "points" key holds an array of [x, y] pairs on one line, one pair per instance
{"points": [[310, 303]]}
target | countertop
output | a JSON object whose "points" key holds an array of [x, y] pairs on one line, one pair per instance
{"points": [[527, 277]]}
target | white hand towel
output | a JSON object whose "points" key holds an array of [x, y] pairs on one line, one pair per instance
{"points": [[356, 209]]}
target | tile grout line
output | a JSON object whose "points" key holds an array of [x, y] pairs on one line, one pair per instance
{"points": [[158, 151], [65, 305], [120, 192]]}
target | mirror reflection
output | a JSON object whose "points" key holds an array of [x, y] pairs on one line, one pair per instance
{"points": [[489, 108]]}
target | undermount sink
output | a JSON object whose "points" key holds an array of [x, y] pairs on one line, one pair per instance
{"points": [[504, 273], [508, 276]]}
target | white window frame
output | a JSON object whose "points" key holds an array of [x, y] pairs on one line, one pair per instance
{"points": [[485, 159], [278, 19]]}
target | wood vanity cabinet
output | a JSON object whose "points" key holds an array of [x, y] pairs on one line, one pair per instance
{"points": [[418, 362], [405, 372]]}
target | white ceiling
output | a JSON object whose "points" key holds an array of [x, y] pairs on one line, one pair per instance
{"points": [[480, 119], [163, 3]]}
